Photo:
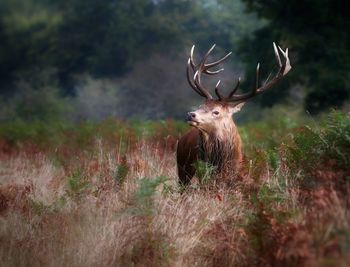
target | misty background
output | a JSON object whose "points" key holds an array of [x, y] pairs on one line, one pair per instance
{"points": [[75, 60]]}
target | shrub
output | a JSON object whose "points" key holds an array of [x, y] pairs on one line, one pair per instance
{"points": [[330, 141], [204, 171], [144, 196]]}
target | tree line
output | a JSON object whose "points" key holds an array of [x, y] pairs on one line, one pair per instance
{"points": [[136, 51]]}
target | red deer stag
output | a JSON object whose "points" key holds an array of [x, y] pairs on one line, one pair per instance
{"points": [[214, 138]]}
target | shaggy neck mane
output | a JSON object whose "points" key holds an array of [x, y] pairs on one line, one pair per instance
{"points": [[221, 147]]}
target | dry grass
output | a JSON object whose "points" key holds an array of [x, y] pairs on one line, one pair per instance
{"points": [[45, 222], [97, 209]]}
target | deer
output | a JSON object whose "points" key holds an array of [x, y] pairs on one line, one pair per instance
{"points": [[214, 137]]}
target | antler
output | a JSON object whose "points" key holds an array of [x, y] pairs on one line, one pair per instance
{"points": [[202, 67], [284, 68]]}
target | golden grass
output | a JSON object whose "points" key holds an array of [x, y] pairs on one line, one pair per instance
{"points": [[80, 214]]}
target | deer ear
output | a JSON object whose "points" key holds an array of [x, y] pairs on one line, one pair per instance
{"points": [[236, 108]]}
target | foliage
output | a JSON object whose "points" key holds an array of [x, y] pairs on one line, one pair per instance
{"points": [[90, 188], [72, 136], [65, 34], [204, 171], [37, 98], [41, 133], [331, 141], [76, 183], [272, 129], [319, 49], [144, 196], [28, 30], [120, 173], [36, 111], [39, 35]]}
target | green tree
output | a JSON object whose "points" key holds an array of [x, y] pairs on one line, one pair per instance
{"points": [[109, 39], [28, 37], [36, 99], [318, 34]]}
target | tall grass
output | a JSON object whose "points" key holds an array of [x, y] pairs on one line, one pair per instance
{"points": [[107, 195]]}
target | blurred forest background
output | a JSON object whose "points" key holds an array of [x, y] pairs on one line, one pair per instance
{"points": [[74, 60], [92, 100]]}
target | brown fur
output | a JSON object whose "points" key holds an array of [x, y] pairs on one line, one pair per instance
{"points": [[220, 146], [216, 139]]}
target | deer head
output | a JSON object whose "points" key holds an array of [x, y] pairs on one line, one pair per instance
{"points": [[216, 114]]}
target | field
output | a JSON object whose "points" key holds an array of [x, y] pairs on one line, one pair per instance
{"points": [[106, 194]]}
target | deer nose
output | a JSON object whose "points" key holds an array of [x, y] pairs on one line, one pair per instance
{"points": [[191, 115]]}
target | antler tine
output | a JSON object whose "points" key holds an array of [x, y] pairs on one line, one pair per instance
{"points": [[196, 86], [257, 76], [277, 54], [203, 67], [190, 63], [220, 96], [284, 68], [191, 57], [207, 55], [209, 72], [236, 88], [250, 94], [213, 64], [287, 67], [188, 75], [197, 81]]}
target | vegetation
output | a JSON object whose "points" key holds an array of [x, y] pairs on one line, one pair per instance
{"points": [[98, 69], [106, 193], [101, 63], [87, 152], [319, 46]]}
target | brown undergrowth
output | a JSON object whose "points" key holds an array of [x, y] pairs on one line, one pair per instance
{"points": [[118, 204]]}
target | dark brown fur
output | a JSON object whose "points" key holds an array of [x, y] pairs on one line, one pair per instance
{"points": [[225, 154]]}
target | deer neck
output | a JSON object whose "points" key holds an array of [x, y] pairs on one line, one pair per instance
{"points": [[220, 146]]}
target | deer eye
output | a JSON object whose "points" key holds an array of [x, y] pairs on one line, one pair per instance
{"points": [[216, 112]]}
